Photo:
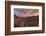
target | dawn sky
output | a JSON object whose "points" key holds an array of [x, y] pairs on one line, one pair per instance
{"points": [[25, 12]]}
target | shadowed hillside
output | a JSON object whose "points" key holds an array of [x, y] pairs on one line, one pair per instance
{"points": [[26, 22]]}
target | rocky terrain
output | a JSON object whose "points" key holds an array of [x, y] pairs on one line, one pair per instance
{"points": [[26, 21]]}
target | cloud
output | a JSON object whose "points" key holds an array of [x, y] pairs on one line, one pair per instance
{"points": [[23, 13]]}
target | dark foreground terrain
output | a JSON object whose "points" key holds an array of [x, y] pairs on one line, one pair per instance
{"points": [[26, 22]]}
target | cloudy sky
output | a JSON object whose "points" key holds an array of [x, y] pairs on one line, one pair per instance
{"points": [[25, 12]]}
